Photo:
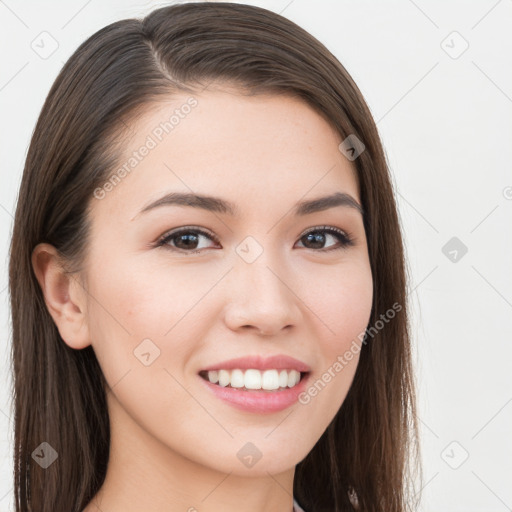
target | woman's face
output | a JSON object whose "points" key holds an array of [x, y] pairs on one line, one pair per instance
{"points": [[244, 280]]}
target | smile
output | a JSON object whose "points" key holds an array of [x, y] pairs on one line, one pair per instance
{"points": [[253, 379], [255, 398]]}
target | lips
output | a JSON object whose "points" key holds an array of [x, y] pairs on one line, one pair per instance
{"points": [[277, 362], [258, 401]]}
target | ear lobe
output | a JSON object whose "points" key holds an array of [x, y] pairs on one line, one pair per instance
{"points": [[63, 295]]}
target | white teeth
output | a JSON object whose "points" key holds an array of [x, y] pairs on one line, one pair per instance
{"points": [[255, 379], [283, 379], [270, 380], [292, 379], [252, 379], [224, 377], [213, 376], [237, 379]]}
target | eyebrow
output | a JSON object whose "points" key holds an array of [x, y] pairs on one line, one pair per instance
{"points": [[218, 205]]}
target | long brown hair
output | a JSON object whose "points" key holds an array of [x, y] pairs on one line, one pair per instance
{"points": [[371, 446]]}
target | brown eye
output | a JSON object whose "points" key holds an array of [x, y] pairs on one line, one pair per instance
{"points": [[317, 237], [188, 239], [185, 239]]}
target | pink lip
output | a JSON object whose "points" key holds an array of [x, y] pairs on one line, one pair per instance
{"points": [[259, 401], [278, 362]]}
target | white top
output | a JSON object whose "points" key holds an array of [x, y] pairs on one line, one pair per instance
{"points": [[297, 507]]}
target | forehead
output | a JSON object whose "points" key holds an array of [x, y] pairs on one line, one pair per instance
{"points": [[265, 147]]}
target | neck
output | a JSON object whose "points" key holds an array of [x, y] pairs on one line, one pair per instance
{"points": [[144, 474]]}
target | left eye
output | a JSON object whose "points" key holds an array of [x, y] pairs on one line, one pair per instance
{"points": [[317, 235], [187, 239]]}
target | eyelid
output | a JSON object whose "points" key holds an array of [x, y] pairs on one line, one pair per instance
{"points": [[326, 228], [161, 241], [176, 231], [348, 242]]}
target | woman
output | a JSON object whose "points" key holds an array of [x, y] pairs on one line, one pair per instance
{"points": [[207, 279]]}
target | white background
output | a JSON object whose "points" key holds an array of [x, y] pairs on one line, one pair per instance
{"points": [[446, 124]]}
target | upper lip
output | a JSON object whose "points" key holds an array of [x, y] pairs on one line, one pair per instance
{"points": [[277, 362]]}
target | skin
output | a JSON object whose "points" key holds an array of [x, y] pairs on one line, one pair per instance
{"points": [[173, 443]]}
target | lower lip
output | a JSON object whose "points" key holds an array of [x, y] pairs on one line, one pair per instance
{"points": [[258, 401]]}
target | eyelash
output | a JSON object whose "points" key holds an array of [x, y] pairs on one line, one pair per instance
{"points": [[344, 238]]}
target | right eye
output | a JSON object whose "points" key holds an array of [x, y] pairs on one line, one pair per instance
{"points": [[185, 239]]}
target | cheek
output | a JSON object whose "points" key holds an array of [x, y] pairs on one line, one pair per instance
{"points": [[349, 311], [342, 310], [146, 299], [141, 328], [132, 304], [342, 305]]}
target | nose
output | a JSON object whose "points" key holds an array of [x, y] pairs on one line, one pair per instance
{"points": [[261, 298]]}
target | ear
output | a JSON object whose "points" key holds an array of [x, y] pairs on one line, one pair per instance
{"points": [[63, 294]]}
